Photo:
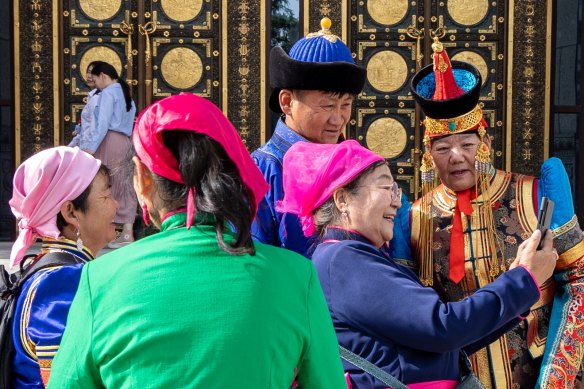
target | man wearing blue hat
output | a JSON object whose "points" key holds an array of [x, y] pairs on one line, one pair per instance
{"points": [[313, 88]]}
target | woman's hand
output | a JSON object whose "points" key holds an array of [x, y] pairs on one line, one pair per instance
{"points": [[541, 263]]}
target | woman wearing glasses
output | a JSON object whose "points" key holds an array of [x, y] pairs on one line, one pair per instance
{"points": [[346, 196]]}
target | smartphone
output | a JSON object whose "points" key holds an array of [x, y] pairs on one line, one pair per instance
{"points": [[544, 218]]}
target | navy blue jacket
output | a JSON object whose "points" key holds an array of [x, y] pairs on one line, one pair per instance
{"points": [[381, 311]]}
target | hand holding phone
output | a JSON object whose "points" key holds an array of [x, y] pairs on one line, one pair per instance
{"points": [[544, 218]]}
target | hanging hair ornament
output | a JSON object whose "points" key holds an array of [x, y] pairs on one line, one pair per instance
{"points": [[428, 178], [483, 157], [484, 171], [427, 167], [79, 240]]}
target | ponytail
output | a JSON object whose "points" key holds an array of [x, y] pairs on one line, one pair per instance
{"points": [[219, 189], [127, 96]]}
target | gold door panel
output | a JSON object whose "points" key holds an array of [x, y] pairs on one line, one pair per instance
{"points": [[468, 13], [385, 113], [100, 9], [387, 12], [185, 49], [387, 71], [181, 11], [382, 129], [180, 68]]}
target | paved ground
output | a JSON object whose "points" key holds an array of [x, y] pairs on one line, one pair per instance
{"points": [[5, 248]]}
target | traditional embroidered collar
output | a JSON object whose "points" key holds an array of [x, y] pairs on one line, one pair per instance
{"points": [[66, 245]]}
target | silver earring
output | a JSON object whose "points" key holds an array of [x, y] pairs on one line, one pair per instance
{"points": [[79, 241]]}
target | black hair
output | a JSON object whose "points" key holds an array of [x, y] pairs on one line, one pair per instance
{"points": [[104, 67], [219, 189], [80, 202], [92, 64]]}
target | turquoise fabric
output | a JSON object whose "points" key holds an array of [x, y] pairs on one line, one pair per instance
{"points": [[555, 185], [463, 78], [175, 311]]}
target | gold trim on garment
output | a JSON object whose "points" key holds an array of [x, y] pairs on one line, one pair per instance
{"points": [[571, 255], [573, 222], [525, 207], [27, 344]]}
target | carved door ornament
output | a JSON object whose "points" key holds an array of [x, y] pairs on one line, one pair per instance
{"points": [[145, 30]]}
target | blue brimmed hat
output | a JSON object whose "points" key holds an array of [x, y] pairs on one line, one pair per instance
{"points": [[319, 61]]}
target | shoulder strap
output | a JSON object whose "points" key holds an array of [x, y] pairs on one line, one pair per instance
{"points": [[53, 258], [371, 369]]}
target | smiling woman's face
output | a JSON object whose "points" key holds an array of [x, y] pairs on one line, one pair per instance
{"points": [[96, 224], [372, 208], [454, 158]]}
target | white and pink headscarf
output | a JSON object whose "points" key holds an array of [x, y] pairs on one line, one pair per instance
{"points": [[312, 172], [41, 185]]}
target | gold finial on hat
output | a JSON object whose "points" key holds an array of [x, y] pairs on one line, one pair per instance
{"points": [[325, 32], [437, 45]]}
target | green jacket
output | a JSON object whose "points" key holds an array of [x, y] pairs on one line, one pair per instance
{"points": [[175, 311]]}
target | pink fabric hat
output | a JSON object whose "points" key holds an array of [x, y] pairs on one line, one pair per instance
{"points": [[312, 172], [41, 185], [192, 113]]}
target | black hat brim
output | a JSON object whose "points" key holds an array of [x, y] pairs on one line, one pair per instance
{"points": [[288, 73]]}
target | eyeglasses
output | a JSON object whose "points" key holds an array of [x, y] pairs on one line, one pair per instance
{"points": [[394, 188]]}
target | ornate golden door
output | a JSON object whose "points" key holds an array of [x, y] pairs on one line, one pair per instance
{"points": [[392, 39], [161, 47]]}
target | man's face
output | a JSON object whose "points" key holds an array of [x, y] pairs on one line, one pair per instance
{"points": [[454, 158], [318, 116]]}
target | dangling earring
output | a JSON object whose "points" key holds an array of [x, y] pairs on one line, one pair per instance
{"points": [[483, 157], [79, 241], [484, 168], [427, 168], [145, 214]]}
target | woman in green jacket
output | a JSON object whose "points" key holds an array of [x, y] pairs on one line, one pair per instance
{"points": [[198, 304]]}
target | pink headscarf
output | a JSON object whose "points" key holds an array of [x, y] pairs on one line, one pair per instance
{"points": [[192, 113], [312, 172], [41, 185]]}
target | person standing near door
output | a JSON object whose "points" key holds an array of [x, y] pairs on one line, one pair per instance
{"points": [[114, 119], [465, 231], [86, 126]]}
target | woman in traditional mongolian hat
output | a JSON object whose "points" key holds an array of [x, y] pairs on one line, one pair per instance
{"points": [[62, 196], [465, 230], [345, 195], [198, 304]]}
